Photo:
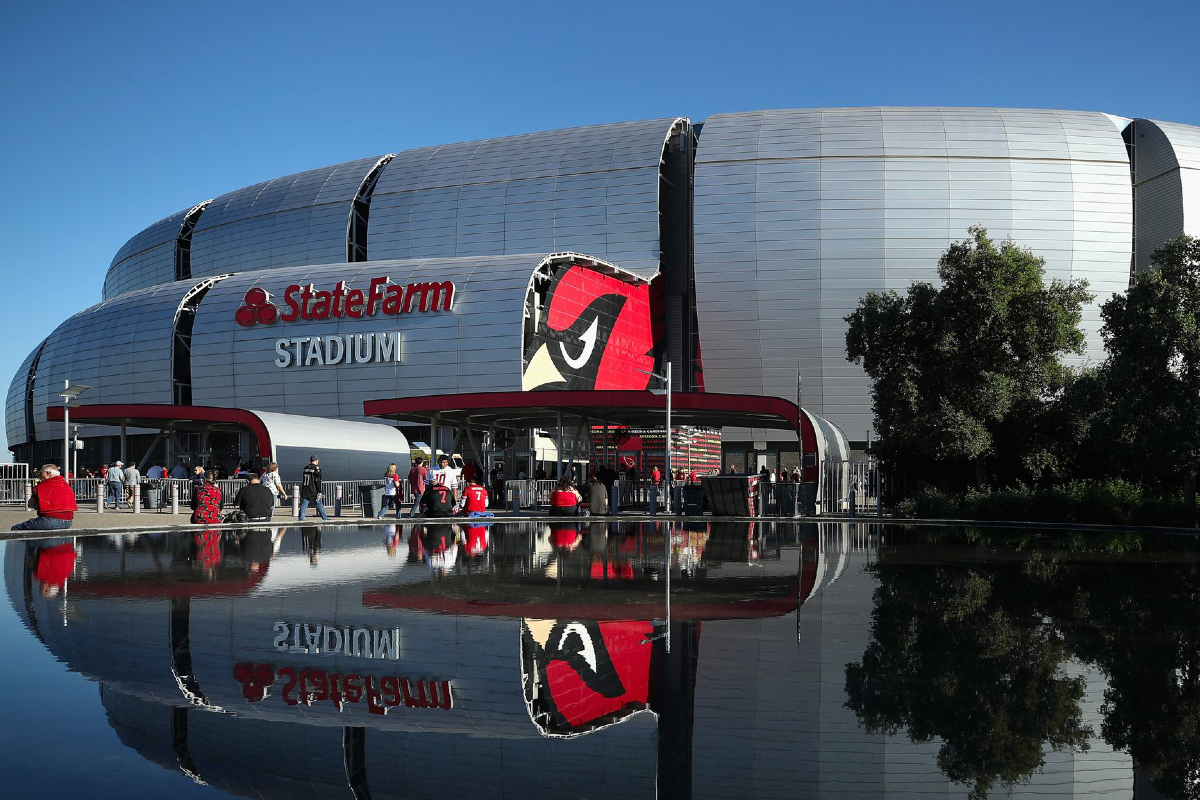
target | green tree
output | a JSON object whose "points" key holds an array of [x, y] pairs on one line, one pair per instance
{"points": [[962, 375], [963, 655], [1152, 334]]}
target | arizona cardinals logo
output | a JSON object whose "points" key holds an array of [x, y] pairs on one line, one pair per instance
{"points": [[596, 332], [581, 676]]}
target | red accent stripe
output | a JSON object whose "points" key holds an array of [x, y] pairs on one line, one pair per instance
{"points": [[136, 413], [596, 402]]}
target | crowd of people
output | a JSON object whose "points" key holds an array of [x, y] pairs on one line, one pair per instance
{"points": [[442, 491]]}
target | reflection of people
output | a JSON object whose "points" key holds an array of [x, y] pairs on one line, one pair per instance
{"points": [[310, 542], [477, 540], [53, 567], [257, 549], [208, 502], [54, 502], [441, 547], [208, 551]]}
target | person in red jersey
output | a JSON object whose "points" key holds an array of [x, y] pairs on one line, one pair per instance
{"points": [[54, 502], [475, 499]]}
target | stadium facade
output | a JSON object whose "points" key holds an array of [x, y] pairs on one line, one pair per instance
{"points": [[581, 259]]}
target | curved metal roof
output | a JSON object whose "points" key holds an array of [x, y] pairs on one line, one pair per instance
{"points": [[798, 213], [290, 221]]}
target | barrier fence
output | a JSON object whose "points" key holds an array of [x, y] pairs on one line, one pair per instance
{"points": [[857, 484]]}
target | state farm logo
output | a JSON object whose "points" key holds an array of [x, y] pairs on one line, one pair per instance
{"points": [[380, 297], [258, 309]]}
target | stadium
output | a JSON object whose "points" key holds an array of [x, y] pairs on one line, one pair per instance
{"points": [[510, 296]]}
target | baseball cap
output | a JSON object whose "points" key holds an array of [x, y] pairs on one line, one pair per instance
{"points": [[119, 463]]}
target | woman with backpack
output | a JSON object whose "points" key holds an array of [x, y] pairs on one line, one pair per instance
{"points": [[391, 492]]}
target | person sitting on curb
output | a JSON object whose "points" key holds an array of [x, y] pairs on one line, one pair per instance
{"points": [[475, 499], [54, 501], [438, 500], [255, 500], [565, 500]]}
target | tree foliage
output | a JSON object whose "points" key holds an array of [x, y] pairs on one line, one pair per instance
{"points": [[1152, 334], [962, 655], [962, 375]]}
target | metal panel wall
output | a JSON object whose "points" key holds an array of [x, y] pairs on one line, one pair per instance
{"points": [[1166, 159], [145, 260], [474, 347], [121, 348], [801, 212], [14, 408], [294, 220], [592, 190]]}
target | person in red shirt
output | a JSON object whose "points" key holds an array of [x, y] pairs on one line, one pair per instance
{"points": [[475, 499], [565, 501], [416, 485], [53, 567], [655, 476], [54, 502]]}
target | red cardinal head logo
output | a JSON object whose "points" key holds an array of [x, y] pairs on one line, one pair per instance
{"points": [[580, 676], [596, 331], [257, 309]]}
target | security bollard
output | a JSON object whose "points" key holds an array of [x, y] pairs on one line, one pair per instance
{"points": [[614, 502], [100, 498], [174, 498], [337, 500], [137, 498], [296, 500], [677, 499], [851, 502], [653, 501], [28, 491], [516, 500]]}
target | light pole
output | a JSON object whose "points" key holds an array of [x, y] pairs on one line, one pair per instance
{"points": [[666, 379], [68, 394]]}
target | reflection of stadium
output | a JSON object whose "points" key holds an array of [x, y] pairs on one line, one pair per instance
{"points": [[331, 693], [571, 259]]}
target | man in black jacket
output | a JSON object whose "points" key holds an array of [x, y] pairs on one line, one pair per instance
{"points": [[438, 500], [255, 500], [310, 488]]}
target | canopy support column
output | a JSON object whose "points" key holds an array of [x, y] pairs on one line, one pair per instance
{"points": [[558, 419]]}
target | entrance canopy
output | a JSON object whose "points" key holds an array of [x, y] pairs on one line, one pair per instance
{"points": [[348, 450], [635, 409]]}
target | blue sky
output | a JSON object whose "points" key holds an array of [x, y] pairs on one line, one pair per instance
{"points": [[118, 114]]}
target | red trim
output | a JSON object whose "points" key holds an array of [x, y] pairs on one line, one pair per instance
{"points": [[167, 589], [136, 414], [709, 402], [733, 609]]}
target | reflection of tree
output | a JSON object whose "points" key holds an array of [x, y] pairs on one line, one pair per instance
{"points": [[964, 655], [1139, 621]]}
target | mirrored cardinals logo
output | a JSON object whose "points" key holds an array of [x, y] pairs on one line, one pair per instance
{"points": [[582, 676], [595, 332]]}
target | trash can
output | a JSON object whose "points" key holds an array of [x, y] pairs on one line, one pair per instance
{"points": [[372, 499], [153, 496], [693, 500]]}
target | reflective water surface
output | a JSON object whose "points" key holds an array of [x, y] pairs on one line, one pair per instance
{"points": [[568, 660]]}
